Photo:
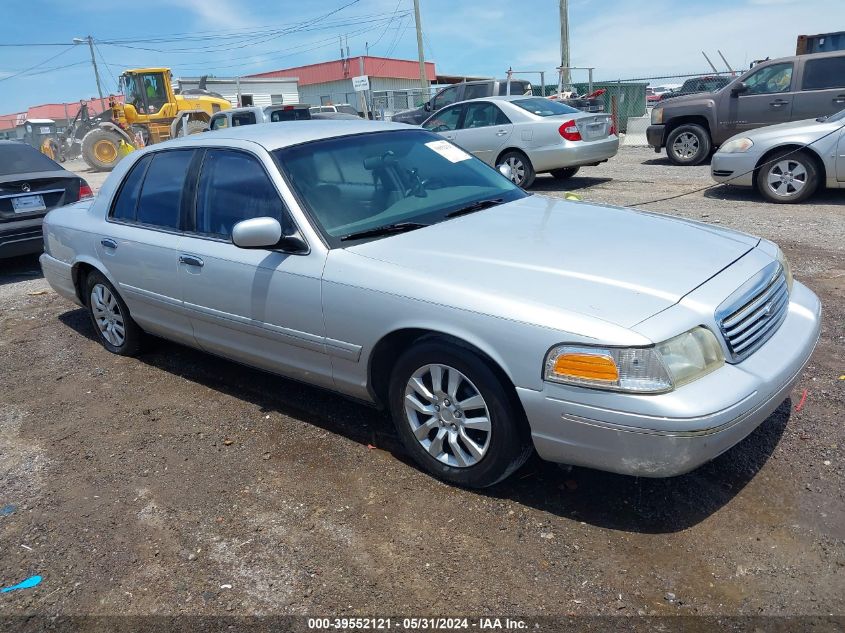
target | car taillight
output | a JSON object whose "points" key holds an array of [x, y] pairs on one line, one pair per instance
{"points": [[85, 190], [569, 131], [612, 129]]}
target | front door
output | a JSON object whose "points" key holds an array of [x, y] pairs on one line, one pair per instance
{"points": [[767, 101], [484, 131], [258, 306], [140, 247]]}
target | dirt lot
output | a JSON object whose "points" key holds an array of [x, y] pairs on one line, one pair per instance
{"points": [[179, 483]]}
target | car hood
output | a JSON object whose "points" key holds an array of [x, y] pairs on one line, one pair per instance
{"points": [[687, 97], [614, 264]]}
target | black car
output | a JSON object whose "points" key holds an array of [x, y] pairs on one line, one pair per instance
{"points": [[30, 185]]}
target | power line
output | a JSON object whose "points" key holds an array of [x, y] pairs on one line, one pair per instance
{"points": [[387, 26], [38, 65], [106, 64]]}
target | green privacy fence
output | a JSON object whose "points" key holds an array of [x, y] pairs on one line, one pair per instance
{"points": [[630, 98]]}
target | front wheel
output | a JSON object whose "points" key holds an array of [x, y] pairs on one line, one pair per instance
{"points": [[522, 171], [115, 328], [788, 177], [453, 415], [688, 144], [101, 149]]}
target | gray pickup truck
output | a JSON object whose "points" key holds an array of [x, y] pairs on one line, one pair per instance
{"points": [[774, 91]]}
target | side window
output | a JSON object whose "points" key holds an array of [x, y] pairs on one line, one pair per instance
{"points": [[770, 80], [445, 120], [517, 87], [233, 186], [474, 91], [481, 114], [219, 123], [243, 118], [445, 97], [160, 203], [127, 198], [501, 118], [824, 74]]}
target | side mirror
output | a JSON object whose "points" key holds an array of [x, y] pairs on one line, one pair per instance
{"points": [[740, 88], [427, 106], [506, 171], [257, 233]]}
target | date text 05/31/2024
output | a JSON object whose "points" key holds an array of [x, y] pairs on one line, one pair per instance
{"points": [[416, 624]]}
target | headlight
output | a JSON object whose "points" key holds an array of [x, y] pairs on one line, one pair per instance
{"points": [[737, 146], [657, 369], [657, 116], [787, 269]]}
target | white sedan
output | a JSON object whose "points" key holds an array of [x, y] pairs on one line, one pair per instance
{"points": [[529, 134]]}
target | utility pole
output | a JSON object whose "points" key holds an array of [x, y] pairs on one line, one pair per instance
{"points": [[90, 40], [420, 51], [564, 43]]}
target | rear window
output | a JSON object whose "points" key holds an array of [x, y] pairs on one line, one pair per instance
{"points": [[18, 158], [294, 114], [824, 74], [544, 107], [244, 118]]}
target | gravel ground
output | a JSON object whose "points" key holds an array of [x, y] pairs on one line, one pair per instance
{"points": [[179, 483]]}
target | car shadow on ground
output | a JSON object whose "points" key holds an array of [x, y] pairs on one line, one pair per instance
{"points": [[598, 498], [16, 269], [550, 183], [750, 194], [663, 161]]}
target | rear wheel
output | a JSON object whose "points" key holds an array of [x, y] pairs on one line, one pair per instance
{"points": [[522, 171], [453, 414], [101, 149], [565, 173], [115, 328], [688, 144], [788, 177]]}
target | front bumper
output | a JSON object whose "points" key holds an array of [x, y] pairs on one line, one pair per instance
{"points": [[674, 433], [735, 169], [655, 135]]}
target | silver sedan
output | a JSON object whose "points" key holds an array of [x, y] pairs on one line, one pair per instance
{"points": [[530, 135], [382, 262], [786, 162]]}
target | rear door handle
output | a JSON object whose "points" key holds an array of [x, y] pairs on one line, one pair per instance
{"points": [[778, 103], [839, 99], [501, 132], [109, 243], [190, 260]]}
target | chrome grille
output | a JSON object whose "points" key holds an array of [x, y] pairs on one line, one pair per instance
{"points": [[750, 316]]}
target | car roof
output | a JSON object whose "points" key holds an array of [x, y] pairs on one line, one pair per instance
{"points": [[273, 136]]}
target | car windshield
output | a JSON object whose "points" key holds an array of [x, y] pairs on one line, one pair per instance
{"points": [[352, 184], [544, 107], [18, 158]]}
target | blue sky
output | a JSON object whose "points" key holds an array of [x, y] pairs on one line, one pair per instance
{"points": [[621, 38]]}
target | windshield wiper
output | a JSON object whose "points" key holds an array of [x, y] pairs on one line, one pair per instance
{"points": [[387, 229], [478, 205]]}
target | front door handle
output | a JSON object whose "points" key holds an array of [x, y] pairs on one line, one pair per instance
{"points": [[190, 260], [109, 243], [778, 103], [501, 132], [839, 99]]}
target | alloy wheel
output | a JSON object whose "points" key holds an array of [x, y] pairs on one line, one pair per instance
{"points": [[107, 315], [447, 415], [686, 145], [517, 170], [787, 178]]}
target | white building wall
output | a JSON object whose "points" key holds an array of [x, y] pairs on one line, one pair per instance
{"points": [[264, 92]]}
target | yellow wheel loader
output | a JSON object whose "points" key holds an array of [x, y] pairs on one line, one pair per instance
{"points": [[150, 113]]}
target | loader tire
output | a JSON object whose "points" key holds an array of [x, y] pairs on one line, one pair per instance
{"points": [[101, 149]]}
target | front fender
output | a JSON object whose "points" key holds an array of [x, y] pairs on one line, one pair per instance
{"points": [[111, 127]]}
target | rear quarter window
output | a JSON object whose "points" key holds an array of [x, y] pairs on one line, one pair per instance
{"points": [[127, 198]]}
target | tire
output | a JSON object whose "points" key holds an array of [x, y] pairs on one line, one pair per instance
{"points": [[788, 177], [101, 149], [194, 127], [688, 144], [106, 307], [523, 170], [499, 449], [564, 174]]}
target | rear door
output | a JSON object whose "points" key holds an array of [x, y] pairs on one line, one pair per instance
{"points": [[822, 88], [140, 245], [767, 101], [484, 130]]}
